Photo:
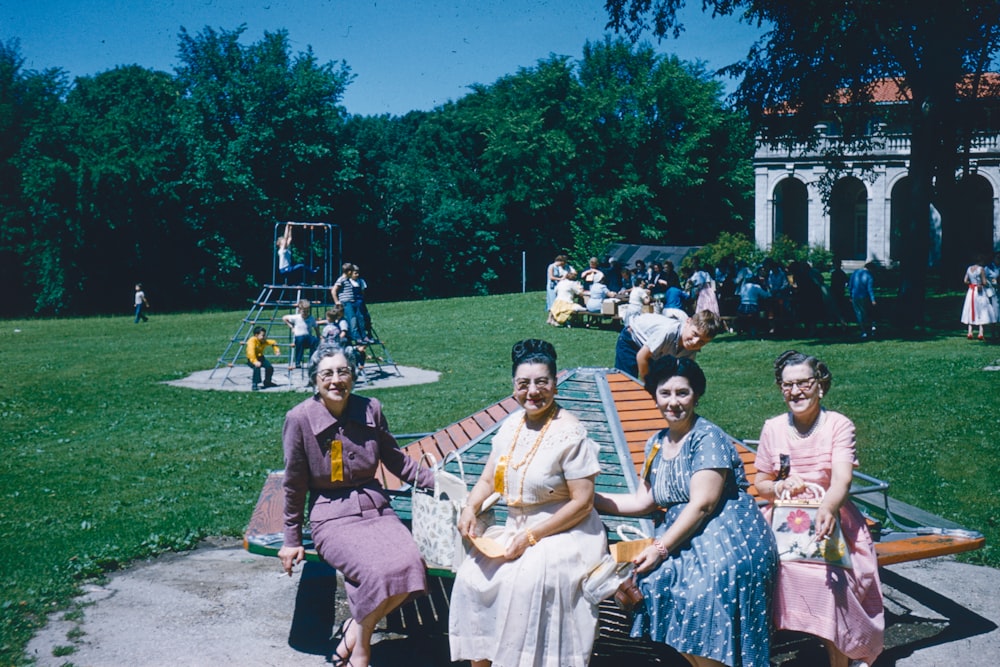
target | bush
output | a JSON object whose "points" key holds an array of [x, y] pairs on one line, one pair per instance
{"points": [[741, 248]]}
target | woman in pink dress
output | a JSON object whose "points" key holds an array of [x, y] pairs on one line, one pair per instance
{"points": [[702, 289], [810, 444]]}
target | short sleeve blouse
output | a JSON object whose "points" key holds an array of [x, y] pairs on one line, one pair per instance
{"points": [[812, 457]]}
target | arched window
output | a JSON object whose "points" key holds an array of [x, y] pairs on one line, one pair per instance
{"points": [[791, 212], [900, 210], [849, 219], [970, 231]]}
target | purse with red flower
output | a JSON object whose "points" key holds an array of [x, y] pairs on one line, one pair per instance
{"points": [[793, 521]]}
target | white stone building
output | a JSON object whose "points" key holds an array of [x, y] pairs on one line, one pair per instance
{"points": [[861, 222]]}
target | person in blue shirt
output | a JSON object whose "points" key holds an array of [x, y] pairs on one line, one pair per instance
{"points": [[675, 297], [862, 287]]}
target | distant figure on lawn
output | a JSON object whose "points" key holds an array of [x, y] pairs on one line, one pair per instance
{"points": [[303, 326], [977, 308], [862, 287], [140, 304], [553, 274]]}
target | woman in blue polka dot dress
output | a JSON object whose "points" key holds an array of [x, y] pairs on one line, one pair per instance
{"points": [[707, 577]]}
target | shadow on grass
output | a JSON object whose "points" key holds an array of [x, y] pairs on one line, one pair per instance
{"points": [[941, 323]]}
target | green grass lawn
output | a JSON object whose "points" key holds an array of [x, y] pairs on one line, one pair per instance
{"points": [[103, 464]]}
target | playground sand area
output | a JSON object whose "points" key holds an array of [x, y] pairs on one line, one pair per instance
{"points": [[238, 378]]}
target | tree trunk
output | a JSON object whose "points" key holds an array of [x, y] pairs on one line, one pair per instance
{"points": [[917, 227]]}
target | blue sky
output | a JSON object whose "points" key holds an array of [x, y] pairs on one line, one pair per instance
{"points": [[405, 54]]}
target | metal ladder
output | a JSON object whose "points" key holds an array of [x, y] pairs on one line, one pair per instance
{"points": [[273, 302]]}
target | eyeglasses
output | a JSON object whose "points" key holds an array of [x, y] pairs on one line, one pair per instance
{"points": [[328, 374], [802, 385], [542, 383]]}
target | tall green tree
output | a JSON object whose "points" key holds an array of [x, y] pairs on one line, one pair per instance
{"points": [[565, 155], [816, 50], [30, 104], [666, 160], [126, 163], [262, 134]]}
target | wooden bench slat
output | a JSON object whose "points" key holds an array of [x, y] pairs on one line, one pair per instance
{"points": [[924, 546]]}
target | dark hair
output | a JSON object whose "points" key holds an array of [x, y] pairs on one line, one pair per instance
{"points": [[533, 351], [329, 350], [667, 366], [792, 358], [257, 330]]}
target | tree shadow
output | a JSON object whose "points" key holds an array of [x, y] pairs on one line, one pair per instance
{"points": [[908, 632]]}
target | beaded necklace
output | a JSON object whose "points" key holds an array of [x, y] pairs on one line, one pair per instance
{"points": [[811, 429], [500, 479]]}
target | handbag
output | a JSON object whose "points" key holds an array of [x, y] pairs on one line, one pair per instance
{"points": [[603, 580], [794, 524], [628, 596], [435, 515], [628, 548]]}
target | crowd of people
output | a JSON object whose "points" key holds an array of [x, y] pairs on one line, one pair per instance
{"points": [[347, 324], [752, 300], [713, 584]]}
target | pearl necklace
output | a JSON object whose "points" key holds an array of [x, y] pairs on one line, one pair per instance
{"points": [[501, 482], [811, 429]]}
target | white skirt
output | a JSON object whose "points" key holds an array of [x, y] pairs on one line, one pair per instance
{"points": [[528, 612]]}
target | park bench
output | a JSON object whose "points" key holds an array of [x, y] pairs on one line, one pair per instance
{"points": [[619, 416]]}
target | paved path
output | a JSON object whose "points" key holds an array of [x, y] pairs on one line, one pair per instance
{"points": [[218, 605]]}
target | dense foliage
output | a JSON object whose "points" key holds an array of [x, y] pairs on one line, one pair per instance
{"points": [[177, 180]]}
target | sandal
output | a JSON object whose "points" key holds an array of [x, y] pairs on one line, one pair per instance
{"points": [[340, 636]]}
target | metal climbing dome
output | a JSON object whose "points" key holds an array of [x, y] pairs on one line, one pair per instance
{"points": [[305, 265]]}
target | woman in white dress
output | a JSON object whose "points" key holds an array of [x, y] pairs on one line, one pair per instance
{"points": [[977, 309], [526, 608]]}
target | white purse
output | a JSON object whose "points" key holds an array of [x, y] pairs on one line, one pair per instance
{"points": [[614, 568], [435, 516]]}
